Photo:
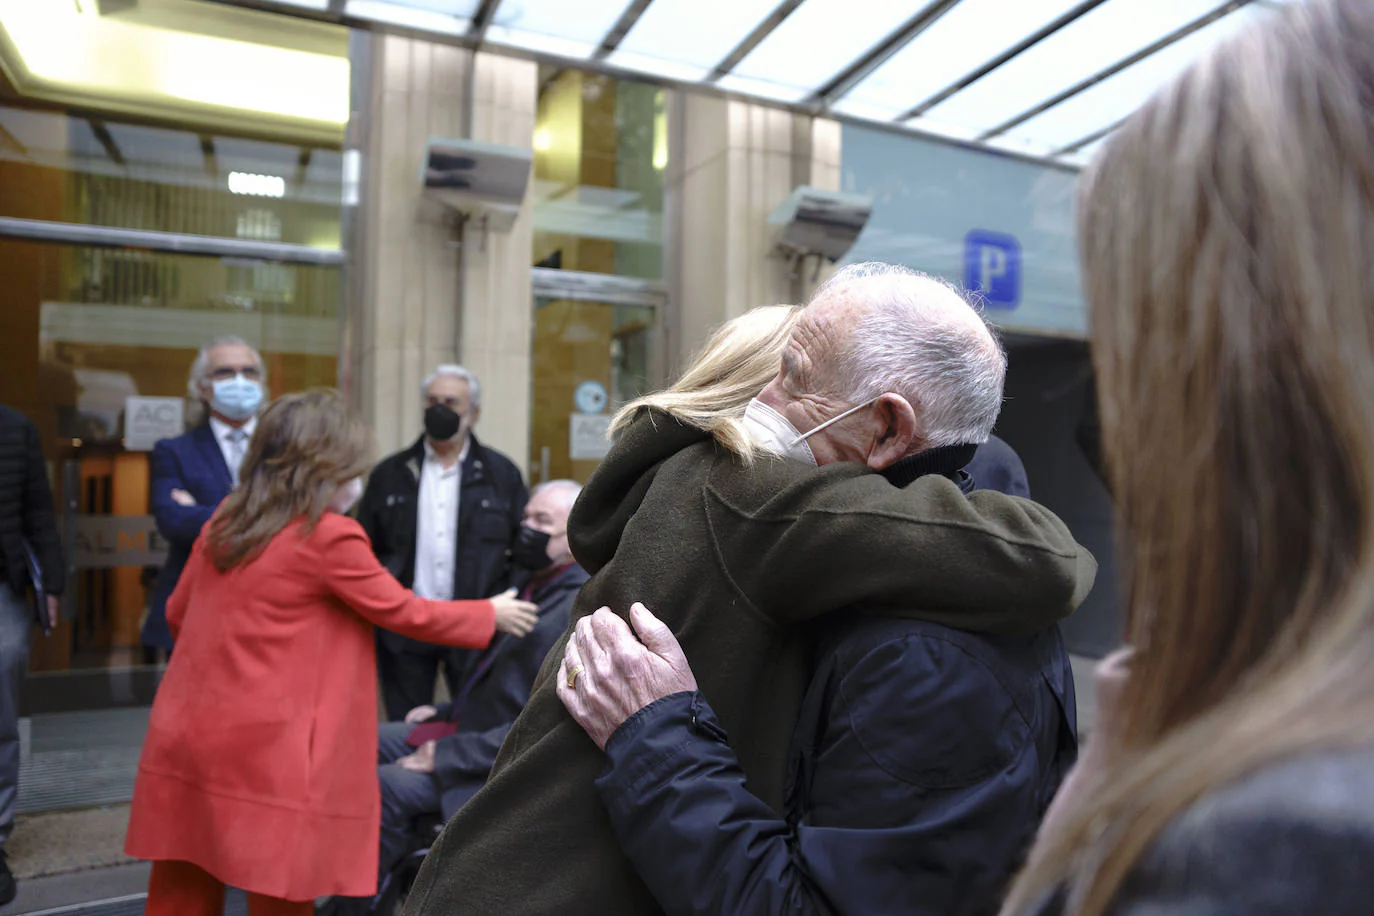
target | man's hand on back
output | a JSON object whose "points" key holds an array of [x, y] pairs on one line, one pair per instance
{"points": [[608, 675], [421, 714]]}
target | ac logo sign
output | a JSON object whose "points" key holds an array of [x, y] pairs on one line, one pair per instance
{"points": [[992, 267], [146, 420]]}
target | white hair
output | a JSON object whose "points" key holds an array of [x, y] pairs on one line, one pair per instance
{"points": [[568, 489], [200, 373], [453, 370], [921, 338]]}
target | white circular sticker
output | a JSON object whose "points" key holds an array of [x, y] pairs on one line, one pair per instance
{"points": [[590, 397]]}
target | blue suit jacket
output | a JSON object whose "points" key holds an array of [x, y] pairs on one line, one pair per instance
{"points": [[192, 462]]}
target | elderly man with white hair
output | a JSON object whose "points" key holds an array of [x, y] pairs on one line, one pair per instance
{"points": [[192, 473], [924, 756], [443, 515]]}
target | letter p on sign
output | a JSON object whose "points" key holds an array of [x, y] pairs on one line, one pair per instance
{"points": [[992, 267]]}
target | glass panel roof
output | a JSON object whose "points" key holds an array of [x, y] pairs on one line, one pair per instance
{"points": [[815, 43], [1060, 92], [448, 17], [966, 37], [561, 27], [1108, 34], [684, 39]]}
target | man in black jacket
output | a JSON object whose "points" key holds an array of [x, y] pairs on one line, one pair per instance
{"points": [[923, 757], [26, 523], [442, 516]]}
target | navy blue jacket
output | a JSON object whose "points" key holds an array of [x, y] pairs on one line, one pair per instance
{"points": [[496, 686], [996, 466], [923, 760], [192, 462]]}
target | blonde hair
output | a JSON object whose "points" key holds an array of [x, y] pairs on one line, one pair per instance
{"points": [[305, 447], [1227, 235], [741, 357]]}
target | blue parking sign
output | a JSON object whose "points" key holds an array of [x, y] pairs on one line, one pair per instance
{"points": [[992, 267]]}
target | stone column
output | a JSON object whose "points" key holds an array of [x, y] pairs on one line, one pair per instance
{"points": [[732, 163], [420, 295]]}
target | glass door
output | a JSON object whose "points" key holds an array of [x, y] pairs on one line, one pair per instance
{"points": [[597, 345]]}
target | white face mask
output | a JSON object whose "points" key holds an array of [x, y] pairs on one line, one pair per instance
{"points": [[347, 496], [772, 432]]}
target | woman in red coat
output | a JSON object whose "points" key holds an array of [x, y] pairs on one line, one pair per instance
{"points": [[260, 766]]}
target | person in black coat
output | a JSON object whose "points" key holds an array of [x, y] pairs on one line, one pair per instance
{"points": [[439, 757], [442, 515], [27, 523]]}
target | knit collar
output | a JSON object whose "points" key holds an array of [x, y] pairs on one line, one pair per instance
{"points": [[947, 461]]}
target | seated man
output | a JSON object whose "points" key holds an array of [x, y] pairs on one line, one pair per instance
{"points": [[439, 757]]}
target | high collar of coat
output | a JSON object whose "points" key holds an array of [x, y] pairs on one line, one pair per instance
{"points": [[618, 486]]}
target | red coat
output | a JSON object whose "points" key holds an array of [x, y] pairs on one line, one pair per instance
{"points": [[260, 764]]}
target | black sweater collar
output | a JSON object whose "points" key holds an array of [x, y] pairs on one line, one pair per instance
{"points": [[947, 461]]}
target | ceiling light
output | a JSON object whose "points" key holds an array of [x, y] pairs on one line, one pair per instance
{"points": [[257, 185]]}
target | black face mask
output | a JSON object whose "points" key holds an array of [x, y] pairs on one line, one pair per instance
{"points": [[441, 423], [531, 549]]}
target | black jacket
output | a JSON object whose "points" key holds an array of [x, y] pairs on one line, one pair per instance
{"points": [[497, 681], [491, 506], [923, 760], [26, 507]]}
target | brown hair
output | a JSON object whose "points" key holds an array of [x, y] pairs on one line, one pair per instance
{"points": [[1227, 234], [305, 447]]}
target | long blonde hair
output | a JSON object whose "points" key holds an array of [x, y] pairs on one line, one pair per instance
{"points": [[305, 446], [741, 357], [1227, 234]]}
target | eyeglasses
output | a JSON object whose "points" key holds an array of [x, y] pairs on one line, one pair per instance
{"points": [[454, 404], [225, 373]]}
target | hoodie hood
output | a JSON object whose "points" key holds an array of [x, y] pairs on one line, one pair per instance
{"points": [[617, 487]]}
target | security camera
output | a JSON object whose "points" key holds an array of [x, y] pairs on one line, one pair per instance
{"points": [[481, 181], [821, 223]]}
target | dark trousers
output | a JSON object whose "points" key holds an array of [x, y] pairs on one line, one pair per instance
{"points": [[15, 619], [407, 675], [405, 795]]}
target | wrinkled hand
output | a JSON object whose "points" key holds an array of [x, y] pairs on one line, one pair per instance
{"points": [[617, 675], [54, 610], [422, 761], [421, 714], [182, 498]]}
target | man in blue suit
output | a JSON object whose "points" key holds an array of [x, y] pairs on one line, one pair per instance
{"points": [[192, 473]]}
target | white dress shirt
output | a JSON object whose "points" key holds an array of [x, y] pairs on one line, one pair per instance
{"points": [[436, 525], [233, 455]]}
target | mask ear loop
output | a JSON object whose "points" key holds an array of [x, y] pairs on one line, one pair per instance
{"points": [[833, 420]]}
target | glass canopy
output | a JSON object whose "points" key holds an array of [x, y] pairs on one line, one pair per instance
{"points": [[1042, 78]]}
